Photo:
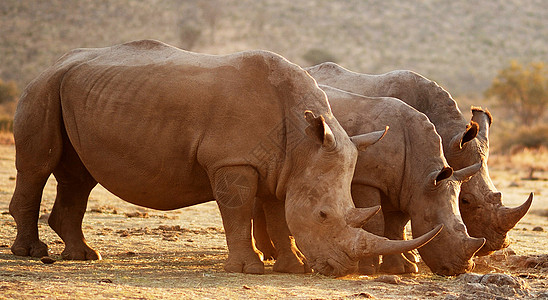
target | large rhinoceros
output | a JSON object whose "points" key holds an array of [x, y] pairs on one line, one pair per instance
{"points": [[479, 201], [408, 175], [165, 128]]}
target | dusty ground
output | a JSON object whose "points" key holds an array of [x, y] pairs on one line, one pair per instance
{"points": [[151, 254]]}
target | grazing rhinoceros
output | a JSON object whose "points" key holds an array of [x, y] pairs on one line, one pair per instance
{"points": [[479, 202], [165, 128], [409, 176]]}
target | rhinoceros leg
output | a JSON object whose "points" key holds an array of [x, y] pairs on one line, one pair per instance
{"points": [[25, 208], [38, 149], [234, 189], [403, 263], [289, 258], [367, 196], [74, 183], [260, 233]]}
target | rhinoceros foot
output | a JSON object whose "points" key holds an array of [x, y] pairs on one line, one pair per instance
{"points": [[399, 264], [249, 264], [82, 252], [291, 263], [368, 266], [36, 248]]}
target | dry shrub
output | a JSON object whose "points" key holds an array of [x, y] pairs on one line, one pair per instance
{"points": [[515, 140], [531, 159]]}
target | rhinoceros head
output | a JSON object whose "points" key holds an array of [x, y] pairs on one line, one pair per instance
{"points": [[451, 251], [319, 209], [480, 203]]}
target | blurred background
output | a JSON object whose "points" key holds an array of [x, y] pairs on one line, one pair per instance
{"points": [[490, 53]]}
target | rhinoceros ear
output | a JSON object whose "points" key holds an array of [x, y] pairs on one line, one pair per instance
{"points": [[319, 130], [469, 134], [445, 173], [484, 119], [363, 141]]}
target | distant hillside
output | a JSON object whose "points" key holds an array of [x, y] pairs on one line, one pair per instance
{"points": [[460, 44]]}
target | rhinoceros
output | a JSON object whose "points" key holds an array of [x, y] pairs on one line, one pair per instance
{"points": [[408, 175], [165, 128], [479, 201]]}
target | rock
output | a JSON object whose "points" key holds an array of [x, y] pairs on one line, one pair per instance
{"points": [[538, 228], [392, 279], [503, 280], [47, 260]]}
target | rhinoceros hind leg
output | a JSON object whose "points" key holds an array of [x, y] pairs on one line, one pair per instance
{"points": [[74, 183], [234, 189], [25, 208]]}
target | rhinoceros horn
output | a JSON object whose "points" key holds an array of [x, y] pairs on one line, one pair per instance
{"points": [[356, 217], [509, 217], [363, 141], [465, 173], [473, 246], [376, 245]]}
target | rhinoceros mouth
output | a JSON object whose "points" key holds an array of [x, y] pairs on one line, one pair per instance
{"points": [[333, 267]]}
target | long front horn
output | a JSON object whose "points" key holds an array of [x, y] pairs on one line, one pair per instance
{"points": [[509, 217], [465, 173], [357, 217], [371, 244]]}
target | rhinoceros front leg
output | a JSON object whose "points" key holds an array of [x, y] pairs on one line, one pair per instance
{"points": [[260, 233], [289, 258], [367, 196], [403, 263], [74, 183], [234, 189]]}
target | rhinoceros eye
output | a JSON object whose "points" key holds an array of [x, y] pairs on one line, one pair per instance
{"points": [[323, 215], [464, 201]]}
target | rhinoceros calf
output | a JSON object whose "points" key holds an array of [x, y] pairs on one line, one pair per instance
{"points": [[407, 174], [165, 128], [479, 201]]}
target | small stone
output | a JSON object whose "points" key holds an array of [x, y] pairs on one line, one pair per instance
{"points": [[47, 260], [538, 228], [391, 279], [105, 280], [470, 277], [364, 295]]}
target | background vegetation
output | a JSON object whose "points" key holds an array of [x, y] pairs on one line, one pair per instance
{"points": [[460, 44]]}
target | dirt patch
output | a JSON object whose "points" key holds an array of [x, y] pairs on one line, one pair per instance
{"points": [[149, 254]]}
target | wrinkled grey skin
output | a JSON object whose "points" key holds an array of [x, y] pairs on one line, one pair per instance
{"points": [[407, 174], [165, 128], [479, 201]]}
